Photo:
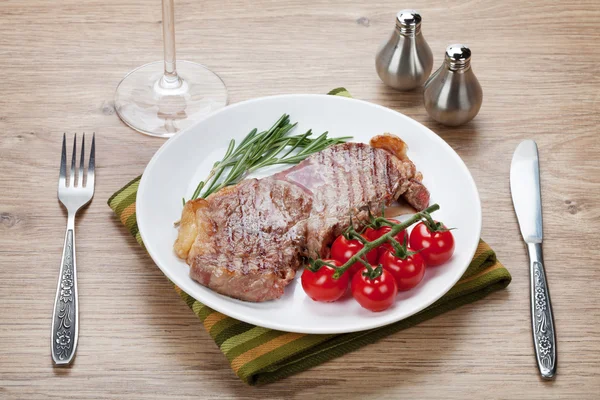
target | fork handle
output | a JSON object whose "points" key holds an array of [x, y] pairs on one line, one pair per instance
{"points": [[65, 321], [544, 336]]}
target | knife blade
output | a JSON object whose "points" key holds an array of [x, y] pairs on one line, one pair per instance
{"points": [[526, 192], [525, 189]]}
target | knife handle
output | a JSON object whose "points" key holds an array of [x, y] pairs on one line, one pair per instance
{"points": [[544, 336]]}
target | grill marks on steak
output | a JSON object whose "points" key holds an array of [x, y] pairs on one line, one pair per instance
{"points": [[345, 180], [247, 241], [250, 250]]}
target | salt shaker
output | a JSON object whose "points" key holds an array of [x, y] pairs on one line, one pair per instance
{"points": [[453, 94], [405, 61]]}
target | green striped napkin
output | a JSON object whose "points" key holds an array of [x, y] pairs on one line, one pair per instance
{"points": [[259, 355]]}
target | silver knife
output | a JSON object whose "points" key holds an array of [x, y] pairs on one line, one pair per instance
{"points": [[527, 200]]}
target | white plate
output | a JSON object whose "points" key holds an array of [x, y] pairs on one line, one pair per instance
{"points": [[184, 160]]}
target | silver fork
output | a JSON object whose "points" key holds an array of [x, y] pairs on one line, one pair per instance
{"points": [[73, 194]]}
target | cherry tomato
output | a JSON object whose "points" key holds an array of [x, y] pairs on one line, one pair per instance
{"points": [[374, 294], [372, 234], [343, 249], [438, 246], [322, 286], [407, 272]]}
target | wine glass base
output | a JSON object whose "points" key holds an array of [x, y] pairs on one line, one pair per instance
{"points": [[153, 109]]}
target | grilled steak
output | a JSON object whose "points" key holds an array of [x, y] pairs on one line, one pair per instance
{"points": [[247, 241]]}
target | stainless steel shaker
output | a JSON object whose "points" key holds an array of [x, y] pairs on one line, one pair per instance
{"points": [[405, 60], [453, 95]]}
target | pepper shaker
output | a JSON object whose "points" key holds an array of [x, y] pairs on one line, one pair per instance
{"points": [[405, 60], [453, 95]]}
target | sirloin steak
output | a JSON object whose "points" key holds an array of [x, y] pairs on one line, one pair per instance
{"points": [[247, 241]]}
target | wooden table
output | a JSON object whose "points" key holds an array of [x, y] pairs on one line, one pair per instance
{"points": [[60, 63]]}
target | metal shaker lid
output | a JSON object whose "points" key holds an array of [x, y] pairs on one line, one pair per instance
{"points": [[458, 56], [408, 22]]}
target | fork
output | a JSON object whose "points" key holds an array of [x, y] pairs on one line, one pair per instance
{"points": [[73, 193]]}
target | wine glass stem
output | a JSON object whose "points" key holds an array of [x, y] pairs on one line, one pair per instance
{"points": [[170, 78]]}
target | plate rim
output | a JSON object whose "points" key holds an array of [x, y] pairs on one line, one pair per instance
{"points": [[269, 325]]}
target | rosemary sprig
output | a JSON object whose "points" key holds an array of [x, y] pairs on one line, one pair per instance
{"points": [[262, 149]]}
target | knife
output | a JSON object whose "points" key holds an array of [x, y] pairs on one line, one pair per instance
{"points": [[527, 200]]}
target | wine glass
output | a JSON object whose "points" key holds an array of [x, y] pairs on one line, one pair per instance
{"points": [[162, 98]]}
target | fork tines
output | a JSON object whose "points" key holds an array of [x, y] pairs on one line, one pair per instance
{"points": [[77, 180]]}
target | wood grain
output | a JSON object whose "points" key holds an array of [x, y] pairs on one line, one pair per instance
{"points": [[59, 65]]}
